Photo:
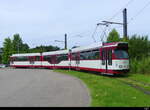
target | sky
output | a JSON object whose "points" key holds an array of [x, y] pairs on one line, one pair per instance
{"points": [[41, 22]]}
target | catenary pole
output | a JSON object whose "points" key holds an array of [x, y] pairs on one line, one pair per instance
{"points": [[65, 41], [125, 24]]}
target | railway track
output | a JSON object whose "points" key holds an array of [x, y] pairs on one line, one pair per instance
{"points": [[139, 85], [146, 84]]}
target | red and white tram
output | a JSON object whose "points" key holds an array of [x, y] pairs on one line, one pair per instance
{"points": [[26, 60], [56, 59], [106, 58]]}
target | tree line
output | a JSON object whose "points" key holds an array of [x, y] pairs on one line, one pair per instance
{"points": [[16, 45]]}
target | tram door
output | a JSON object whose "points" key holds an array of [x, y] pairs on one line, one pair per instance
{"points": [[106, 59], [53, 61], [31, 59], [77, 58]]}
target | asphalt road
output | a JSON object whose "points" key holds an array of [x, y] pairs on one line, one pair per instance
{"points": [[41, 88]]}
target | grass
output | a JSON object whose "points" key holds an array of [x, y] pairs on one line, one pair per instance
{"points": [[110, 92], [140, 65], [140, 80], [141, 77]]}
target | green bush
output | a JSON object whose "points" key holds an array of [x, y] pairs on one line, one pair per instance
{"points": [[139, 47], [140, 66]]}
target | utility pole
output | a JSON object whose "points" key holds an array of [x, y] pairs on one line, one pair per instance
{"points": [[125, 25], [65, 41]]}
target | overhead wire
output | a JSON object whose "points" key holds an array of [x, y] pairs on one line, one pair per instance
{"points": [[103, 34], [138, 13], [94, 33], [105, 29], [126, 5], [80, 34]]}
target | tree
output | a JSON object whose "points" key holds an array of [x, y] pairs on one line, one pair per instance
{"points": [[7, 50], [0, 59], [44, 49], [139, 46], [18, 45], [1, 51], [113, 36], [25, 48]]}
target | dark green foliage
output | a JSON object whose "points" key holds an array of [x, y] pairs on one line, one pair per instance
{"points": [[7, 50], [0, 59], [12, 47], [139, 49], [18, 45], [140, 66], [43, 49], [25, 48], [113, 36], [138, 46], [139, 54], [1, 51]]}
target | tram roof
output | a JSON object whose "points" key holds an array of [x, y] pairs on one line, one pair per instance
{"points": [[96, 46], [26, 54], [56, 52]]}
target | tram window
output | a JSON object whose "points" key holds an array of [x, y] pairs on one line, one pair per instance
{"points": [[65, 57], [95, 54], [110, 57], [21, 58], [83, 56], [58, 59], [86, 55], [90, 55], [62, 58], [121, 54], [47, 58], [37, 58]]}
